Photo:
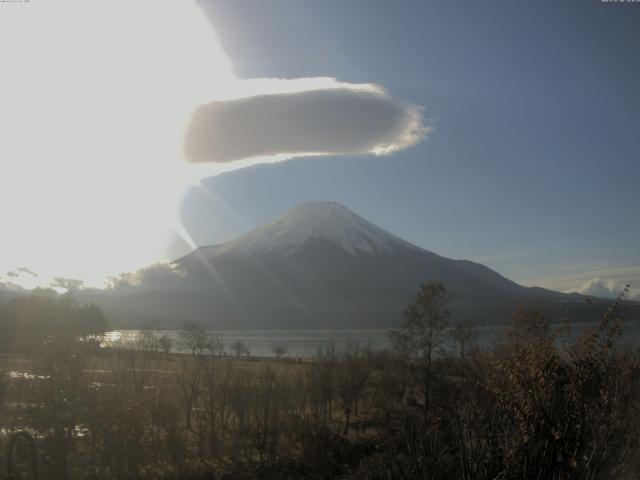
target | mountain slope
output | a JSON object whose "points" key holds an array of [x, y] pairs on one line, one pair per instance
{"points": [[323, 266], [311, 221]]}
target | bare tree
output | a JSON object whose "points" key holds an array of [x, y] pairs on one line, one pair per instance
{"points": [[279, 350], [239, 348], [194, 338], [189, 385], [352, 379], [463, 333], [216, 344], [60, 397], [166, 343], [423, 329], [147, 341]]}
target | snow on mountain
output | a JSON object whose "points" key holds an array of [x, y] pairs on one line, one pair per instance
{"points": [[310, 221], [322, 266]]}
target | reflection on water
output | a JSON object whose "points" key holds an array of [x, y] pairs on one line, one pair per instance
{"points": [[305, 343], [25, 375]]}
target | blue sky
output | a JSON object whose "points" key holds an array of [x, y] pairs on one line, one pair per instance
{"points": [[501, 132], [532, 166]]}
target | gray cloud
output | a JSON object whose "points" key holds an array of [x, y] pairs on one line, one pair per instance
{"points": [[69, 284], [27, 270], [11, 273], [10, 286], [155, 276], [324, 121], [608, 288]]}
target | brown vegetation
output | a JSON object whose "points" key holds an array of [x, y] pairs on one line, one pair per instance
{"points": [[541, 403]]}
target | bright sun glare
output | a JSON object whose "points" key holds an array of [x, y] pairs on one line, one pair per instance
{"points": [[96, 97]]}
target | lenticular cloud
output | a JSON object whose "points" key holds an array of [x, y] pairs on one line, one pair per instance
{"points": [[314, 122]]}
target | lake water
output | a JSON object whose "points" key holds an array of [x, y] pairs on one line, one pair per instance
{"points": [[305, 343]]}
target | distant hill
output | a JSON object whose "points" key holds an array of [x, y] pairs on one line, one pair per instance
{"points": [[323, 266]]}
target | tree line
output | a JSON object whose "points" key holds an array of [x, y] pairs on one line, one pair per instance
{"points": [[28, 321]]}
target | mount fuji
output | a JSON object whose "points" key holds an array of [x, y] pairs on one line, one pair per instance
{"points": [[323, 266]]}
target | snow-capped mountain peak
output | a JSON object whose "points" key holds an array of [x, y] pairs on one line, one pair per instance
{"points": [[329, 221]]}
